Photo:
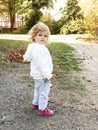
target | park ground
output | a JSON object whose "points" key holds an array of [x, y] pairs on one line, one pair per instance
{"points": [[16, 93]]}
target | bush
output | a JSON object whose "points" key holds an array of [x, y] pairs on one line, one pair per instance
{"points": [[20, 30], [91, 23], [51, 23], [72, 27]]}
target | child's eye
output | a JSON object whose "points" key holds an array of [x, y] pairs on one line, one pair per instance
{"points": [[40, 35], [45, 35]]}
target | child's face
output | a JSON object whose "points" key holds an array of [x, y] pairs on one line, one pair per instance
{"points": [[41, 37]]}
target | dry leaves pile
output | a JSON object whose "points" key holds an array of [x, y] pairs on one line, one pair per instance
{"points": [[16, 56]]}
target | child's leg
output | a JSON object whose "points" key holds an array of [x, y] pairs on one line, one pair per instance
{"points": [[44, 90], [36, 93]]}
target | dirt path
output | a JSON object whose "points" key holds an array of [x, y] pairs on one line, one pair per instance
{"points": [[16, 96], [89, 52]]}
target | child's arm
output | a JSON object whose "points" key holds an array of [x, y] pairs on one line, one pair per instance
{"points": [[27, 55]]}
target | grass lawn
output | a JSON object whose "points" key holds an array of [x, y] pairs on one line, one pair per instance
{"points": [[66, 65]]}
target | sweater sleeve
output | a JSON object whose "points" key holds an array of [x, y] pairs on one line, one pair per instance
{"points": [[27, 55], [43, 61]]}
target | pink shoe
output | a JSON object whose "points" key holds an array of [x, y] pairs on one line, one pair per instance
{"points": [[35, 107], [45, 112]]}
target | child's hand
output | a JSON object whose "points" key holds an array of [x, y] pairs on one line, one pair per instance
{"points": [[53, 77]]}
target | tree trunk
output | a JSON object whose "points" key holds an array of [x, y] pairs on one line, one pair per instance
{"points": [[12, 22], [12, 14]]}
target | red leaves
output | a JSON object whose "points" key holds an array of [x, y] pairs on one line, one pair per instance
{"points": [[16, 56]]}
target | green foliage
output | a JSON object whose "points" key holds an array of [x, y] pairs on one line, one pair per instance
{"points": [[11, 7], [20, 30], [51, 23], [56, 27], [30, 9], [71, 18], [72, 27], [91, 22], [33, 18], [35, 14], [42, 3], [72, 11]]}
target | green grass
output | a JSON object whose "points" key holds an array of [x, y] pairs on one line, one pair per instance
{"points": [[63, 57], [12, 45], [66, 65]]}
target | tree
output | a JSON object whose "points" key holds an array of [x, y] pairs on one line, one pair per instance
{"points": [[53, 25], [73, 10], [31, 9], [70, 16], [11, 7], [36, 12], [36, 4], [91, 17]]}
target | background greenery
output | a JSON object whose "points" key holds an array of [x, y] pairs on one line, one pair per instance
{"points": [[76, 17]]}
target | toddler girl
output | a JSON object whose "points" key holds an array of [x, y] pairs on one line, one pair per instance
{"points": [[41, 67]]}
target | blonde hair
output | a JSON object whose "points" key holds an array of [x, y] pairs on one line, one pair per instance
{"points": [[40, 26]]}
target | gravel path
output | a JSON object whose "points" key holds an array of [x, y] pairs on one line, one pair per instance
{"points": [[16, 92]]}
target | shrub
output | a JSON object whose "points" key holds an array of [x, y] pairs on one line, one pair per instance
{"points": [[91, 23], [73, 26]]}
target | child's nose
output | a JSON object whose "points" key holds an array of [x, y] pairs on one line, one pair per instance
{"points": [[43, 37]]}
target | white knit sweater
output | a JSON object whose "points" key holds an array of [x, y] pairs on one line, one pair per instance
{"points": [[41, 65]]}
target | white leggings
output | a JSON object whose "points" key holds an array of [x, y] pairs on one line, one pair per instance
{"points": [[41, 92]]}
